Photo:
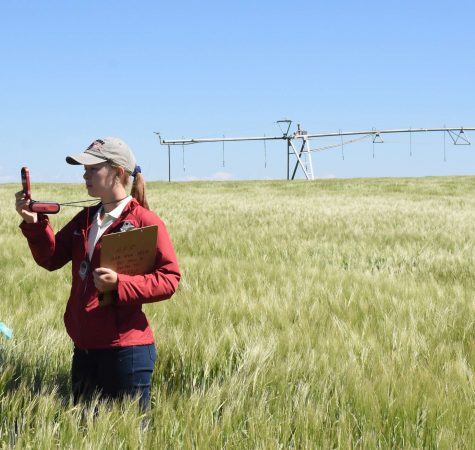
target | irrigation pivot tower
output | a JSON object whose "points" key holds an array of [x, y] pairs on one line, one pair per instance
{"points": [[298, 142]]}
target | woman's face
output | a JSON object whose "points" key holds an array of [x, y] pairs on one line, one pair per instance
{"points": [[100, 179]]}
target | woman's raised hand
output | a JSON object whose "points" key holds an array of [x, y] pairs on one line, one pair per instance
{"points": [[21, 206]]}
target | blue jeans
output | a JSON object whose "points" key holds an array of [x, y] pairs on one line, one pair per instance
{"points": [[113, 373]]}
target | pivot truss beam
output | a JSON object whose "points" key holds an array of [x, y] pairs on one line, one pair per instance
{"points": [[298, 142]]}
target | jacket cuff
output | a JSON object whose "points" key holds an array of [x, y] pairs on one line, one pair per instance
{"points": [[42, 224]]}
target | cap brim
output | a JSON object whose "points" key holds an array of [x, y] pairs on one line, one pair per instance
{"points": [[84, 159]]}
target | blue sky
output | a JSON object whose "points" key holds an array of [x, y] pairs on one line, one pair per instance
{"points": [[74, 71]]}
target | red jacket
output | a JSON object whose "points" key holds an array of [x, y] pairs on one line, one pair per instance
{"points": [[123, 323]]}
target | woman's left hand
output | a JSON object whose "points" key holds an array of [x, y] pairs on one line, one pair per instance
{"points": [[105, 280]]}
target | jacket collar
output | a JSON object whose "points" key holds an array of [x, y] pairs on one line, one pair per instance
{"points": [[93, 210]]}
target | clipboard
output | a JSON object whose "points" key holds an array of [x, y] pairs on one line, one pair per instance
{"points": [[130, 252]]}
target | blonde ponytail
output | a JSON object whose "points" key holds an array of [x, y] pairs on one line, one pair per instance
{"points": [[138, 185], [138, 190]]}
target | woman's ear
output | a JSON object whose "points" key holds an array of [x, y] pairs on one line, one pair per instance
{"points": [[119, 172], [122, 175]]}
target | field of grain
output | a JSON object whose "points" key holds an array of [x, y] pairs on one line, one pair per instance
{"points": [[325, 314]]}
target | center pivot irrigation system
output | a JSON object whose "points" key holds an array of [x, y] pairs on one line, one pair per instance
{"points": [[298, 142]]}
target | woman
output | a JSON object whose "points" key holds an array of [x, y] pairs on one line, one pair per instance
{"points": [[114, 351]]}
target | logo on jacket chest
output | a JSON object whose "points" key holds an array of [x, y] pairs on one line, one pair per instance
{"points": [[126, 226]]}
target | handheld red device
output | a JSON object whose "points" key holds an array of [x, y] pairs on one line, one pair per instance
{"points": [[35, 206], [25, 181]]}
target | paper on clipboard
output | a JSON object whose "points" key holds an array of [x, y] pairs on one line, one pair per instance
{"points": [[130, 252]]}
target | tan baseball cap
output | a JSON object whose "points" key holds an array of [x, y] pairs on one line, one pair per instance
{"points": [[110, 149]]}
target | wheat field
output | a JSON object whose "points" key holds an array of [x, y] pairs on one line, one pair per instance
{"points": [[325, 314]]}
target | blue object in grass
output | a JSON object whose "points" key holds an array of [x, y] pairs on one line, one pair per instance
{"points": [[6, 331]]}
